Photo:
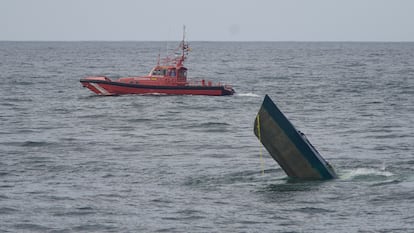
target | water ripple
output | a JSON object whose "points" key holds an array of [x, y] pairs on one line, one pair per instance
{"points": [[73, 161]]}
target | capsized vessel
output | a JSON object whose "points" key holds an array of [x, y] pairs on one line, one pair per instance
{"points": [[288, 146], [169, 78]]}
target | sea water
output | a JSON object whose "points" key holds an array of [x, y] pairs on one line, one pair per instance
{"points": [[71, 161]]}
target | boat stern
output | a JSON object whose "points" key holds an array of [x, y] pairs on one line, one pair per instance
{"points": [[228, 90]]}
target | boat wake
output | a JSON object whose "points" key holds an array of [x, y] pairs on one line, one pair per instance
{"points": [[247, 94]]}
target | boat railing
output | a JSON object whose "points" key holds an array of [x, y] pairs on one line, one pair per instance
{"points": [[97, 78], [207, 83]]}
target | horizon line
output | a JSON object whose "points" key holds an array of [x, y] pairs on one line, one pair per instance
{"points": [[238, 41]]}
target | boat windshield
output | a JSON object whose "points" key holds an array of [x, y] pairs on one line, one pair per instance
{"points": [[159, 72]]}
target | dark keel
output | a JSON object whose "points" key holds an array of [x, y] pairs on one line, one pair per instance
{"points": [[288, 146]]}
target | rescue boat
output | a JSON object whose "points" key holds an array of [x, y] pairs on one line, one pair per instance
{"points": [[168, 77]]}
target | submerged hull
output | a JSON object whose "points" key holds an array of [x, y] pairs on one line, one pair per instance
{"points": [[107, 87], [288, 146]]}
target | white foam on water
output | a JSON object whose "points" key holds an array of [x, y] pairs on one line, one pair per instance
{"points": [[247, 94], [363, 172]]}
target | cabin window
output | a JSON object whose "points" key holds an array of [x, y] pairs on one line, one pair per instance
{"points": [[172, 73], [182, 73], [162, 72]]}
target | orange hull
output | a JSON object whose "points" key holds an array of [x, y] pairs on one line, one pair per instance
{"points": [[104, 86]]}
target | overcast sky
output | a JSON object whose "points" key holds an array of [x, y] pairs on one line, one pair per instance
{"points": [[208, 20]]}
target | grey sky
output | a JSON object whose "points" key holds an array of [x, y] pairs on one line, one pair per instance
{"points": [[217, 20]]}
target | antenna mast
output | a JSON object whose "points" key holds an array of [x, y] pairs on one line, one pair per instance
{"points": [[184, 49], [183, 45]]}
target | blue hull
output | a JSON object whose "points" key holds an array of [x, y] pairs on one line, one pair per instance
{"points": [[288, 146]]}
